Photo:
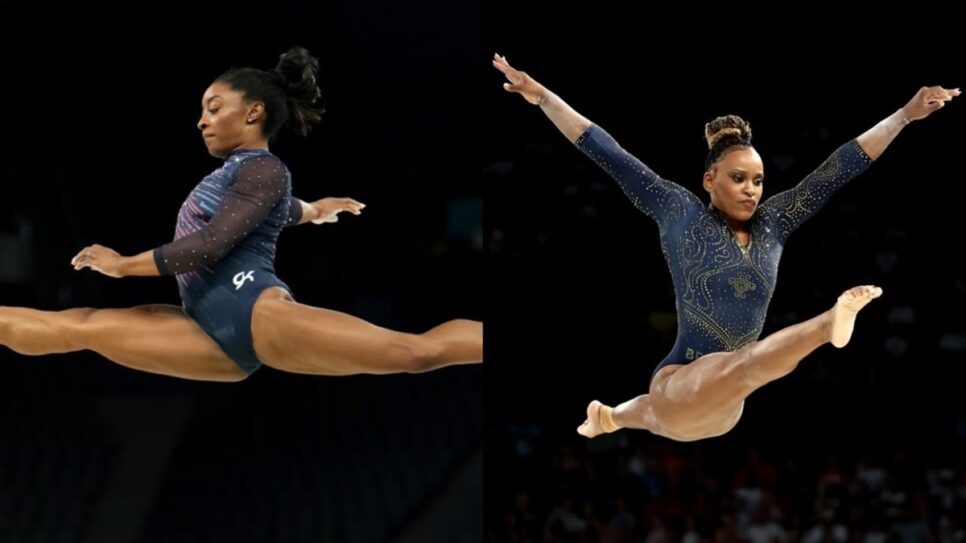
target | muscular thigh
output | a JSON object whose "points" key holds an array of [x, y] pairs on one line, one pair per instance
{"points": [[700, 398], [299, 338], [158, 339]]}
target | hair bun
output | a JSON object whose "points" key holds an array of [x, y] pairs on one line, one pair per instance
{"points": [[725, 126]]}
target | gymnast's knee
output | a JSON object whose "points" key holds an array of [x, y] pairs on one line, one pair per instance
{"points": [[80, 324], [417, 355], [72, 327]]}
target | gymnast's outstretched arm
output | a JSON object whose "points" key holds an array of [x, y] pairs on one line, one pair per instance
{"points": [[660, 199], [246, 204], [927, 100], [259, 186], [564, 117], [787, 210], [320, 211]]}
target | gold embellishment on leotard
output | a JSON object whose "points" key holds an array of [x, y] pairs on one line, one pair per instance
{"points": [[668, 200], [728, 341], [714, 269], [723, 289], [796, 205], [742, 283]]}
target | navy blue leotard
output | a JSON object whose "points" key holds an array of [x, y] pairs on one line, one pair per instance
{"points": [[722, 290], [223, 255]]}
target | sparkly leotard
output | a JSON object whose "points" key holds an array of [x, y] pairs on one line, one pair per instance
{"points": [[722, 289], [223, 255]]}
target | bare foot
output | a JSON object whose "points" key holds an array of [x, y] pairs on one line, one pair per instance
{"points": [[846, 309], [593, 426]]}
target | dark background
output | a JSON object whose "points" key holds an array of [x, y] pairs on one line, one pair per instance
{"points": [[99, 145], [585, 306]]}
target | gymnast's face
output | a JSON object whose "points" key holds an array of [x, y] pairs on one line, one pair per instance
{"points": [[735, 183], [224, 122]]}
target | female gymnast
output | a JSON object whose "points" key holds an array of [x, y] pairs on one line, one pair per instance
{"points": [[724, 262], [236, 314]]}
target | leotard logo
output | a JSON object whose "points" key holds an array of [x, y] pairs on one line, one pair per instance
{"points": [[241, 277]]}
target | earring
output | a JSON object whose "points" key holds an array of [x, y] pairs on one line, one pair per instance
{"points": [[250, 121]]}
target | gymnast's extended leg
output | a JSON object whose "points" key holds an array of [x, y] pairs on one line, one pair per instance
{"points": [[153, 338], [299, 338], [705, 398]]}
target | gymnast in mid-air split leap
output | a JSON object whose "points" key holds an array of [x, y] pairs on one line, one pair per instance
{"points": [[723, 259], [236, 314]]}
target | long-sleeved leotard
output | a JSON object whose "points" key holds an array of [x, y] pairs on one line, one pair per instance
{"points": [[722, 290], [223, 255]]}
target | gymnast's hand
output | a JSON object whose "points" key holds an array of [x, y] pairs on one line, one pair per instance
{"points": [[328, 209], [520, 82], [926, 101], [100, 259]]}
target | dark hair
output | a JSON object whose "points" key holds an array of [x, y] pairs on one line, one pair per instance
{"points": [[289, 91], [724, 134]]}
